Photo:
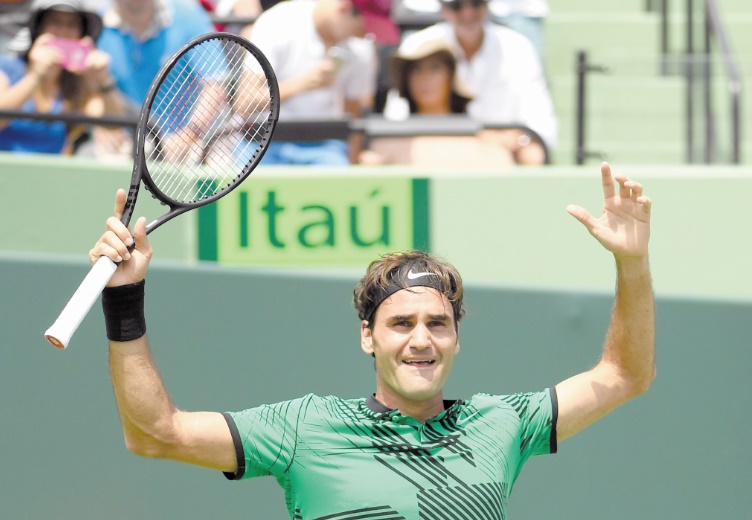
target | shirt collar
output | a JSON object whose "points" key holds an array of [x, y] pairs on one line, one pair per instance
{"points": [[161, 19], [383, 412]]}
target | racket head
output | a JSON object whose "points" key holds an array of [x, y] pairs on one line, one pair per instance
{"points": [[205, 124]]}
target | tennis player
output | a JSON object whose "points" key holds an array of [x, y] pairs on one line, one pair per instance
{"points": [[405, 451]]}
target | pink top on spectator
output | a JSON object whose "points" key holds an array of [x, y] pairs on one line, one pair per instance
{"points": [[377, 19]]}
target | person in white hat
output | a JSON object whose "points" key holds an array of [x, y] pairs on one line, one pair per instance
{"points": [[425, 75], [501, 68], [58, 70]]}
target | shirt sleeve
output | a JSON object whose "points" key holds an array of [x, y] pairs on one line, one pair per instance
{"points": [[267, 37], [360, 80], [538, 413], [533, 101], [266, 437]]}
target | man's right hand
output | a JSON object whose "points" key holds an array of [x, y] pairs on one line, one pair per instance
{"points": [[115, 243]]}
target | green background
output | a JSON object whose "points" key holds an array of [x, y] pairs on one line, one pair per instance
{"points": [[499, 227], [229, 337]]}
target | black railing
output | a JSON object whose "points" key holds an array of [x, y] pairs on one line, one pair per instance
{"points": [[583, 68], [715, 30], [314, 129], [696, 65]]}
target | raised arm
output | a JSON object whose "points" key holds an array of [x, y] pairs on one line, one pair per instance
{"points": [[152, 425], [627, 364]]}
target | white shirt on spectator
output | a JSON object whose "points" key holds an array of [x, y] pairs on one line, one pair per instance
{"points": [[505, 77], [532, 8], [286, 34]]}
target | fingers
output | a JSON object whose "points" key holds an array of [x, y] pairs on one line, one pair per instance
{"points": [[608, 182], [647, 204], [114, 243], [628, 189], [120, 197], [582, 215], [633, 190], [117, 239], [139, 233]]}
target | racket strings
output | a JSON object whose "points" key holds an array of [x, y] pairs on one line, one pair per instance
{"points": [[208, 120]]}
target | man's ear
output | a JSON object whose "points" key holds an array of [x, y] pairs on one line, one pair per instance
{"points": [[366, 338]]}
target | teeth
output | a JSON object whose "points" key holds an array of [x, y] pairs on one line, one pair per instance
{"points": [[410, 362]]}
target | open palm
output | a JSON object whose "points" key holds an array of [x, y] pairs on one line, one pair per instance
{"points": [[624, 226]]}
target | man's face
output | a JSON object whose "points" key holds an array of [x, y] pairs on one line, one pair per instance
{"points": [[414, 341], [348, 21], [465, 14], [136, 7]]}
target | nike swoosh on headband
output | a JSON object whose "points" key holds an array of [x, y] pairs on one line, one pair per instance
{"points": [[412, 276]]}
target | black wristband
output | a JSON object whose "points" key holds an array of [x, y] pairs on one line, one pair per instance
{"points": [[123, 308]]}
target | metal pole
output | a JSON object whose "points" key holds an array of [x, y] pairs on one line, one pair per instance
{"points": [[664, 38], [735, 127], [689, 71], [580, 122], [708, 94]]}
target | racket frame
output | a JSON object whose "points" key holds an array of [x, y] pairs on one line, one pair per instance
{"points": [[139, 166], [60, 332]]}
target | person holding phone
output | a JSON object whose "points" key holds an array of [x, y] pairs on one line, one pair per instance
{"points": [[59, 70]]}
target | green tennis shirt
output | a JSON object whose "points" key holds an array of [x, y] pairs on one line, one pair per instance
{"points": [[339, 459]]}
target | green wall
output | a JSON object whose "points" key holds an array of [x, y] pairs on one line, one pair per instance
{"points": [[229, 338], [505, 227], [232, 336]]}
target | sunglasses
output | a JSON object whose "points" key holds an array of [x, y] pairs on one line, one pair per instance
{"points": [[457, 5]]}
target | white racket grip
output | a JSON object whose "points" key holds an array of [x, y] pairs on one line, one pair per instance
{"points": [[59, 334]]}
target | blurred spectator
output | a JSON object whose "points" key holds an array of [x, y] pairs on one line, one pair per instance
{"points": [[524, 16], [324, 67], [141, 35], [501, 68], [13, 17], [425, 76], [249, 9], [60, 71], [241, 9]]}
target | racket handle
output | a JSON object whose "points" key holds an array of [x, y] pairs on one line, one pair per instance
{"points": [[59, 334]]}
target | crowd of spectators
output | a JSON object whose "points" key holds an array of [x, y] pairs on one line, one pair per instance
{"points": [[330, 57]]}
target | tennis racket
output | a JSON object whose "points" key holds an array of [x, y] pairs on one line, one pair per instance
{"points": [[205, 124]]}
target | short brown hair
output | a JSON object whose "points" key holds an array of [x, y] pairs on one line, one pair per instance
{"points": [[389, 273]]}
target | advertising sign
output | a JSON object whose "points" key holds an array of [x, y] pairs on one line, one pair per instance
{"points": [[322, 221]]}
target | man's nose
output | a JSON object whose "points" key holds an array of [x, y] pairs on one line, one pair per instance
{"points": [[420, 338]]}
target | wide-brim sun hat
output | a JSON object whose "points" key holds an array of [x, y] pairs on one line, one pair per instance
{"points": [[409, 53], [92, 22]]}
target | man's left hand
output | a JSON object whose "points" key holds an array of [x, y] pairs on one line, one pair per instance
{"points": [[624, 226]]}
